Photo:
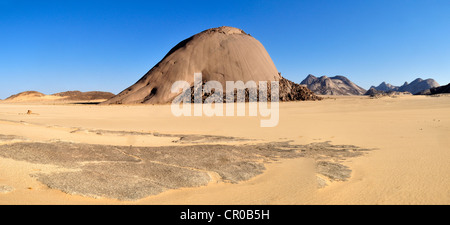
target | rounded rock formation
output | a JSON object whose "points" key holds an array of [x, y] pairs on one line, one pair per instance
{"points": [[220, 54]]}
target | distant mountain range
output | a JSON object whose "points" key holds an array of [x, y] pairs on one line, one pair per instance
{"points": [[415, 87], [372, 92], [337, 85], [28, 96], [340, 85]]}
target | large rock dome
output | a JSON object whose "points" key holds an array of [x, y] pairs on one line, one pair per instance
{"points": [[221, 54]]}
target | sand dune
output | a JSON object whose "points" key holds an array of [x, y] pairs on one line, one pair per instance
{"points": [[407, 161]]}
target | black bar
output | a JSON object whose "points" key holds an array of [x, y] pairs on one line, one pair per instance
{"points": [[222, 214]]}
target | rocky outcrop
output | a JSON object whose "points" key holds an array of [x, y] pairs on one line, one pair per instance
{"points": [[415, 87], [374, 93], [81, 96], [288, 91], [25, 95], [219, 54], [437, 90], [337, 85]]}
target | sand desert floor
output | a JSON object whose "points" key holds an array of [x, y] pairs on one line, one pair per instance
{"points": [[341, 150]]}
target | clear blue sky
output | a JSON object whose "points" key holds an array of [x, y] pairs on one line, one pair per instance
{"points": [[54, 46]]}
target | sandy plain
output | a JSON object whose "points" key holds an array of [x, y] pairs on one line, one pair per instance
{"points": [[403, 141]]}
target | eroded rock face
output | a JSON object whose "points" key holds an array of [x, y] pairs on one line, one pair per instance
{"points": [[219, 54], [437, 90], [415, 87], [374, 93], [290, 91], [337, 85], [440, 90]]}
